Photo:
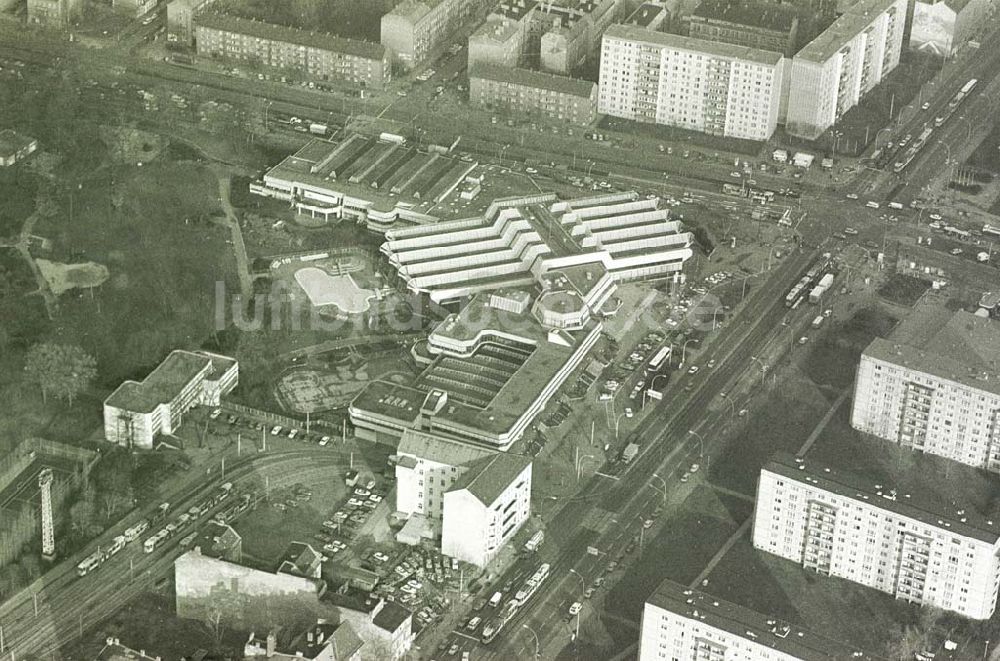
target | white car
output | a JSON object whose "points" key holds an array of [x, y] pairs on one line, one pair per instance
{"points": [[934, 216], [276, 430], [575, 608], [531, 170], [852, 196], [850, 231], [693, 370], [694, 468], [381, 557], [375, 498], [324, 440], [215, 414], [354, 502], [629, 413], [362, 492]]}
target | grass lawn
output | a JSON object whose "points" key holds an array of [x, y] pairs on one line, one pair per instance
{"points": [[687, 541], [18, 200], [903, 289], [150, 622], [833, 359], [783, 422], [163, 259], [829, 606]]}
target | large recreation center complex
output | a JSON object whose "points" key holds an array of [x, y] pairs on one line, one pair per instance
{"points": [[537, 276]]}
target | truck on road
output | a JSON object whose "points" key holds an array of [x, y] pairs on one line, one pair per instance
{"points": [[535, 541], [818, 321], [630, 452]]}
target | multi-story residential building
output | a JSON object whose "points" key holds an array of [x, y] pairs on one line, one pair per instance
{"points": [[570, 32], [137, 412], [485, 507], [180, 20], [680, 624], [413, 29], [756, 25], [941, 397], [533, 93], [502, 38], [695, 84], [318, 56], [15, 147], [834, 71], [54, 12], [385, 627], [943, 26], [904, 544], [475, 498]]}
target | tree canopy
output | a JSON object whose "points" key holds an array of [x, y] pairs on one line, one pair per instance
{"points": [[61, 370]]}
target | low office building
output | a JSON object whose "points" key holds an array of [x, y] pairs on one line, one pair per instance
{"points": [[242, 597], [838, 524], [694, 84], [137, 412], [755, 25], [834, 71], [533, 93], [681, 624], [322, 641], [317, 56], [473, 498], [54, 12], [414, 29], [180, 20], [113, 650], [502, 38], [15, 147], [938, 394], [943, 26], [374, 182], [301, 559], [648, 16], [218, 540]]}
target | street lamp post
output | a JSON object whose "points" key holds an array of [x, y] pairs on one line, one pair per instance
{"points": [[617, 420], [887, 128], [538, 650], [763, 367], [684, 350], [701, 447], [732, 404], [583, 588], [652, 385], [664, 484]]}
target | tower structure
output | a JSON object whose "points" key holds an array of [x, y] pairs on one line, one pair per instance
{"points": [[48, 527]]}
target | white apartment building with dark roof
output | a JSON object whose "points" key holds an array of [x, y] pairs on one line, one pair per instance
{"points": [[901, 543], [694, 84], [938, 394], [680, 624]]}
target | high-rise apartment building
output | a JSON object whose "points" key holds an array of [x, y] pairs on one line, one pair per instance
{"points": [[831, 74], [694, 84], [941, 397], [837, 524], [680, 624]]}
